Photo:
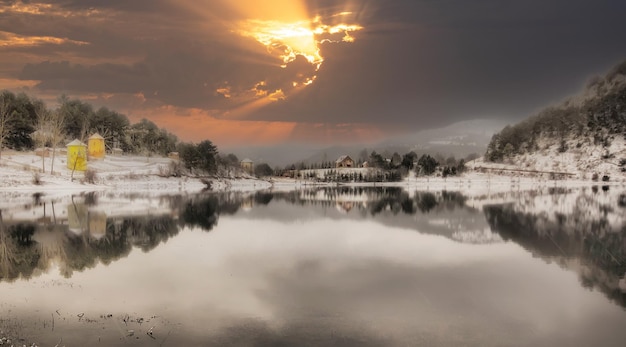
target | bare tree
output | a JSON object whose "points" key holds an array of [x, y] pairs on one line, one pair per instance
{"points": [[42, 133], [6, 118], [57, 124], [7, 251]]}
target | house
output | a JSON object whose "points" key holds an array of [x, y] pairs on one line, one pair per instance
{"points": [[173, 155], [291, 172], [77, 156], [247, 165], [77, 217], [97, 222], [344, 161], [95, 146], [42, 152]]}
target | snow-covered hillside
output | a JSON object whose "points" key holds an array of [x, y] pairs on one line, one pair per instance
{"points": [[583, 136], [22, 174], [582, 160]]}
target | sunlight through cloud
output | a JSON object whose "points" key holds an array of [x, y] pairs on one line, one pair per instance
{"points": [[12, 40], [41, 9], [288, 40]]}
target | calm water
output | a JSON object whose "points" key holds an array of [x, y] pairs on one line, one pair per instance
{"points": [[348, 267]]}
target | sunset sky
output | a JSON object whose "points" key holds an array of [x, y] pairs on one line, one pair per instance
{"points": [[309, 71]]}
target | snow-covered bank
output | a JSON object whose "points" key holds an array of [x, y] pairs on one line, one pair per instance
{"points": [[147, 175], [21, 174], [581, 160]]}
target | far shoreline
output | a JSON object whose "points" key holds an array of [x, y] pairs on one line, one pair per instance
{"points": [[144, 175]]}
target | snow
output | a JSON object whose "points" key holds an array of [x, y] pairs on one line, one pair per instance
{"points": [[113, 173], [147, 175], [581, 160]]}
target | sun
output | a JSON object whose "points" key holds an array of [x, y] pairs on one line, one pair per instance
{"points": [[287, 40], [293, 34], [284, 40]]}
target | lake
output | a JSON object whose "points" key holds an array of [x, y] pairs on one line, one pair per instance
{"points": [[320, 267]]}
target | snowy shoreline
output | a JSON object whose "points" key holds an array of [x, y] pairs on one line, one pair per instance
{"points": [[144, 175]]}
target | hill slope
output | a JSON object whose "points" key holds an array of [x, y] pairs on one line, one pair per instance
{"points": [[584, 135]]}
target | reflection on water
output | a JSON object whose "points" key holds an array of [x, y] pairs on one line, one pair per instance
{"points": [[332, 266], [82, 233], [581, 231]]}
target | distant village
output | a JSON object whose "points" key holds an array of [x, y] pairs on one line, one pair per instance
{"points": [[344, 169], [375, 169]]}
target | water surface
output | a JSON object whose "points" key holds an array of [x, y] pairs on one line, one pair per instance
{"points": [[336, 267]]}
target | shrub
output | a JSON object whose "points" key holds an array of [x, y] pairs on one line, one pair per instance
{"points": [[90, 176], [37, 179], [621, 201], [563, 147], [608, 155], [173, 169]]}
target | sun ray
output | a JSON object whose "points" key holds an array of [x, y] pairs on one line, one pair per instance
{"points": [[292, 35], [8, 39], [286, 41]]}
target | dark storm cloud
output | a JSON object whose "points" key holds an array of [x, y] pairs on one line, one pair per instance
{"points": [[180, 60], [427, 63], [183, 78], [108, 34], [415, 64]]}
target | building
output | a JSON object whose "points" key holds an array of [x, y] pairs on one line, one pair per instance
{"points": [[173, 155], [247, 165], [97, 222], [95, 146], [344, 161], [77, 156]]}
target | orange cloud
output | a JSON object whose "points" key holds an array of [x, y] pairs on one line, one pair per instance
{"points": [[8, 39], [336, 133], [39, 8], [30, 8], [16, 84], [278, 10], [197, 125], [289, 31]]}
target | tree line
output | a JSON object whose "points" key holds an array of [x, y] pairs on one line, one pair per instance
{"points": [[597, 119], [27, 123], [384, 167]]}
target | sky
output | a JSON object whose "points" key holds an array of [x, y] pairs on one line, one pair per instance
{"points": [[309, 71]]}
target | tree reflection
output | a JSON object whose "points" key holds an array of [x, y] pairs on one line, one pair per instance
{"points": [[263, 198], [84, 236], [18, 257], [202, 213], [581, 231], [22, 234], [427, 202], [590, 238], [374, 200]]}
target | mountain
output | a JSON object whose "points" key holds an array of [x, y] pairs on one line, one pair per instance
{"points": [[459, 139], [584, 135], [275, 155]]}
